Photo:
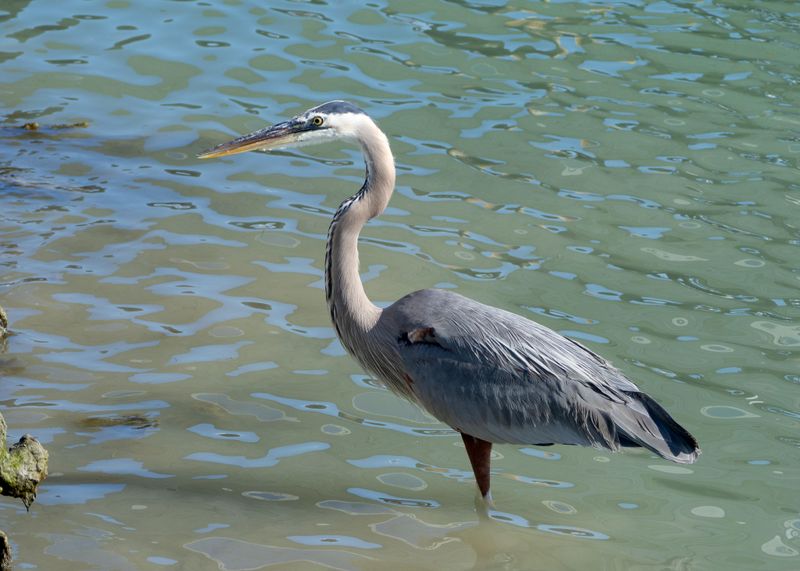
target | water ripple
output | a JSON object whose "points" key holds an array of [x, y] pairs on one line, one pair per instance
{"points": [[272, 457]]}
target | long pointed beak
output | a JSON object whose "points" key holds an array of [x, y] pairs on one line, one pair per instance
{"points": [[279, 135]]}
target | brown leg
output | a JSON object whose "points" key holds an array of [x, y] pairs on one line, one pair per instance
{"points": [[480, 455]]}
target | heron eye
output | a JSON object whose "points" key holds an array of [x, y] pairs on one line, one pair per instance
{"points": [[317, 121]]}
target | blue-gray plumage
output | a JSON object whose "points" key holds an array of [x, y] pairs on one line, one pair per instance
{"points": [[492, 375]]}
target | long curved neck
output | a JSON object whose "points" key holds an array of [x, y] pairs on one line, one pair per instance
{"points": [[352, 313]]}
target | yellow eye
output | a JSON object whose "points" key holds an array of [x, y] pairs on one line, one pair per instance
{"points": [[317, 121]]}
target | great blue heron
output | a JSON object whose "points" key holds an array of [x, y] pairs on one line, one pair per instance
{"points": [[491, 375]]}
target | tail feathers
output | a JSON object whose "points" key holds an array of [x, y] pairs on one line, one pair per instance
{"points": [[659, 432]]}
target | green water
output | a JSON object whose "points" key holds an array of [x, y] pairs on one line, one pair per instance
{"points": [[625, 173]]}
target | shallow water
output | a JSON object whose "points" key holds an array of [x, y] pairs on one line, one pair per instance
{"points": [[623, 172]]}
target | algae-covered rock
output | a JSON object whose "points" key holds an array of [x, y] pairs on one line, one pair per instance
{"points": [[5, 553], [3, 322], [22, 467]]}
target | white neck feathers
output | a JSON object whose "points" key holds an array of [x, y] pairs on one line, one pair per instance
{"points": [[352, 312]]}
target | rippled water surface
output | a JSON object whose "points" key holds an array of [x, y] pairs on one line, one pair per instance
{"points": [[626, 173]]}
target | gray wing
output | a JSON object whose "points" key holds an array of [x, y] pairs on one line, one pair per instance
{"points": [[500, 377]]}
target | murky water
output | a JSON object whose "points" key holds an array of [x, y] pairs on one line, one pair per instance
{"points": [[624, 172]]}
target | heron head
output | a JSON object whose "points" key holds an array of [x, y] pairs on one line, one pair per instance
{"points": [[326, 122]]}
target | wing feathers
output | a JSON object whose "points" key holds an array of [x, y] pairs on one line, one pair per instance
{"points": [[502, 378]]}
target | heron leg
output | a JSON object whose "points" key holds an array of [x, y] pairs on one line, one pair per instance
{"points": [[480, 455]]}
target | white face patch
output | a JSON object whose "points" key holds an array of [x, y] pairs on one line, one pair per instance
{"points": [[334, 126], [347, 125]]}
